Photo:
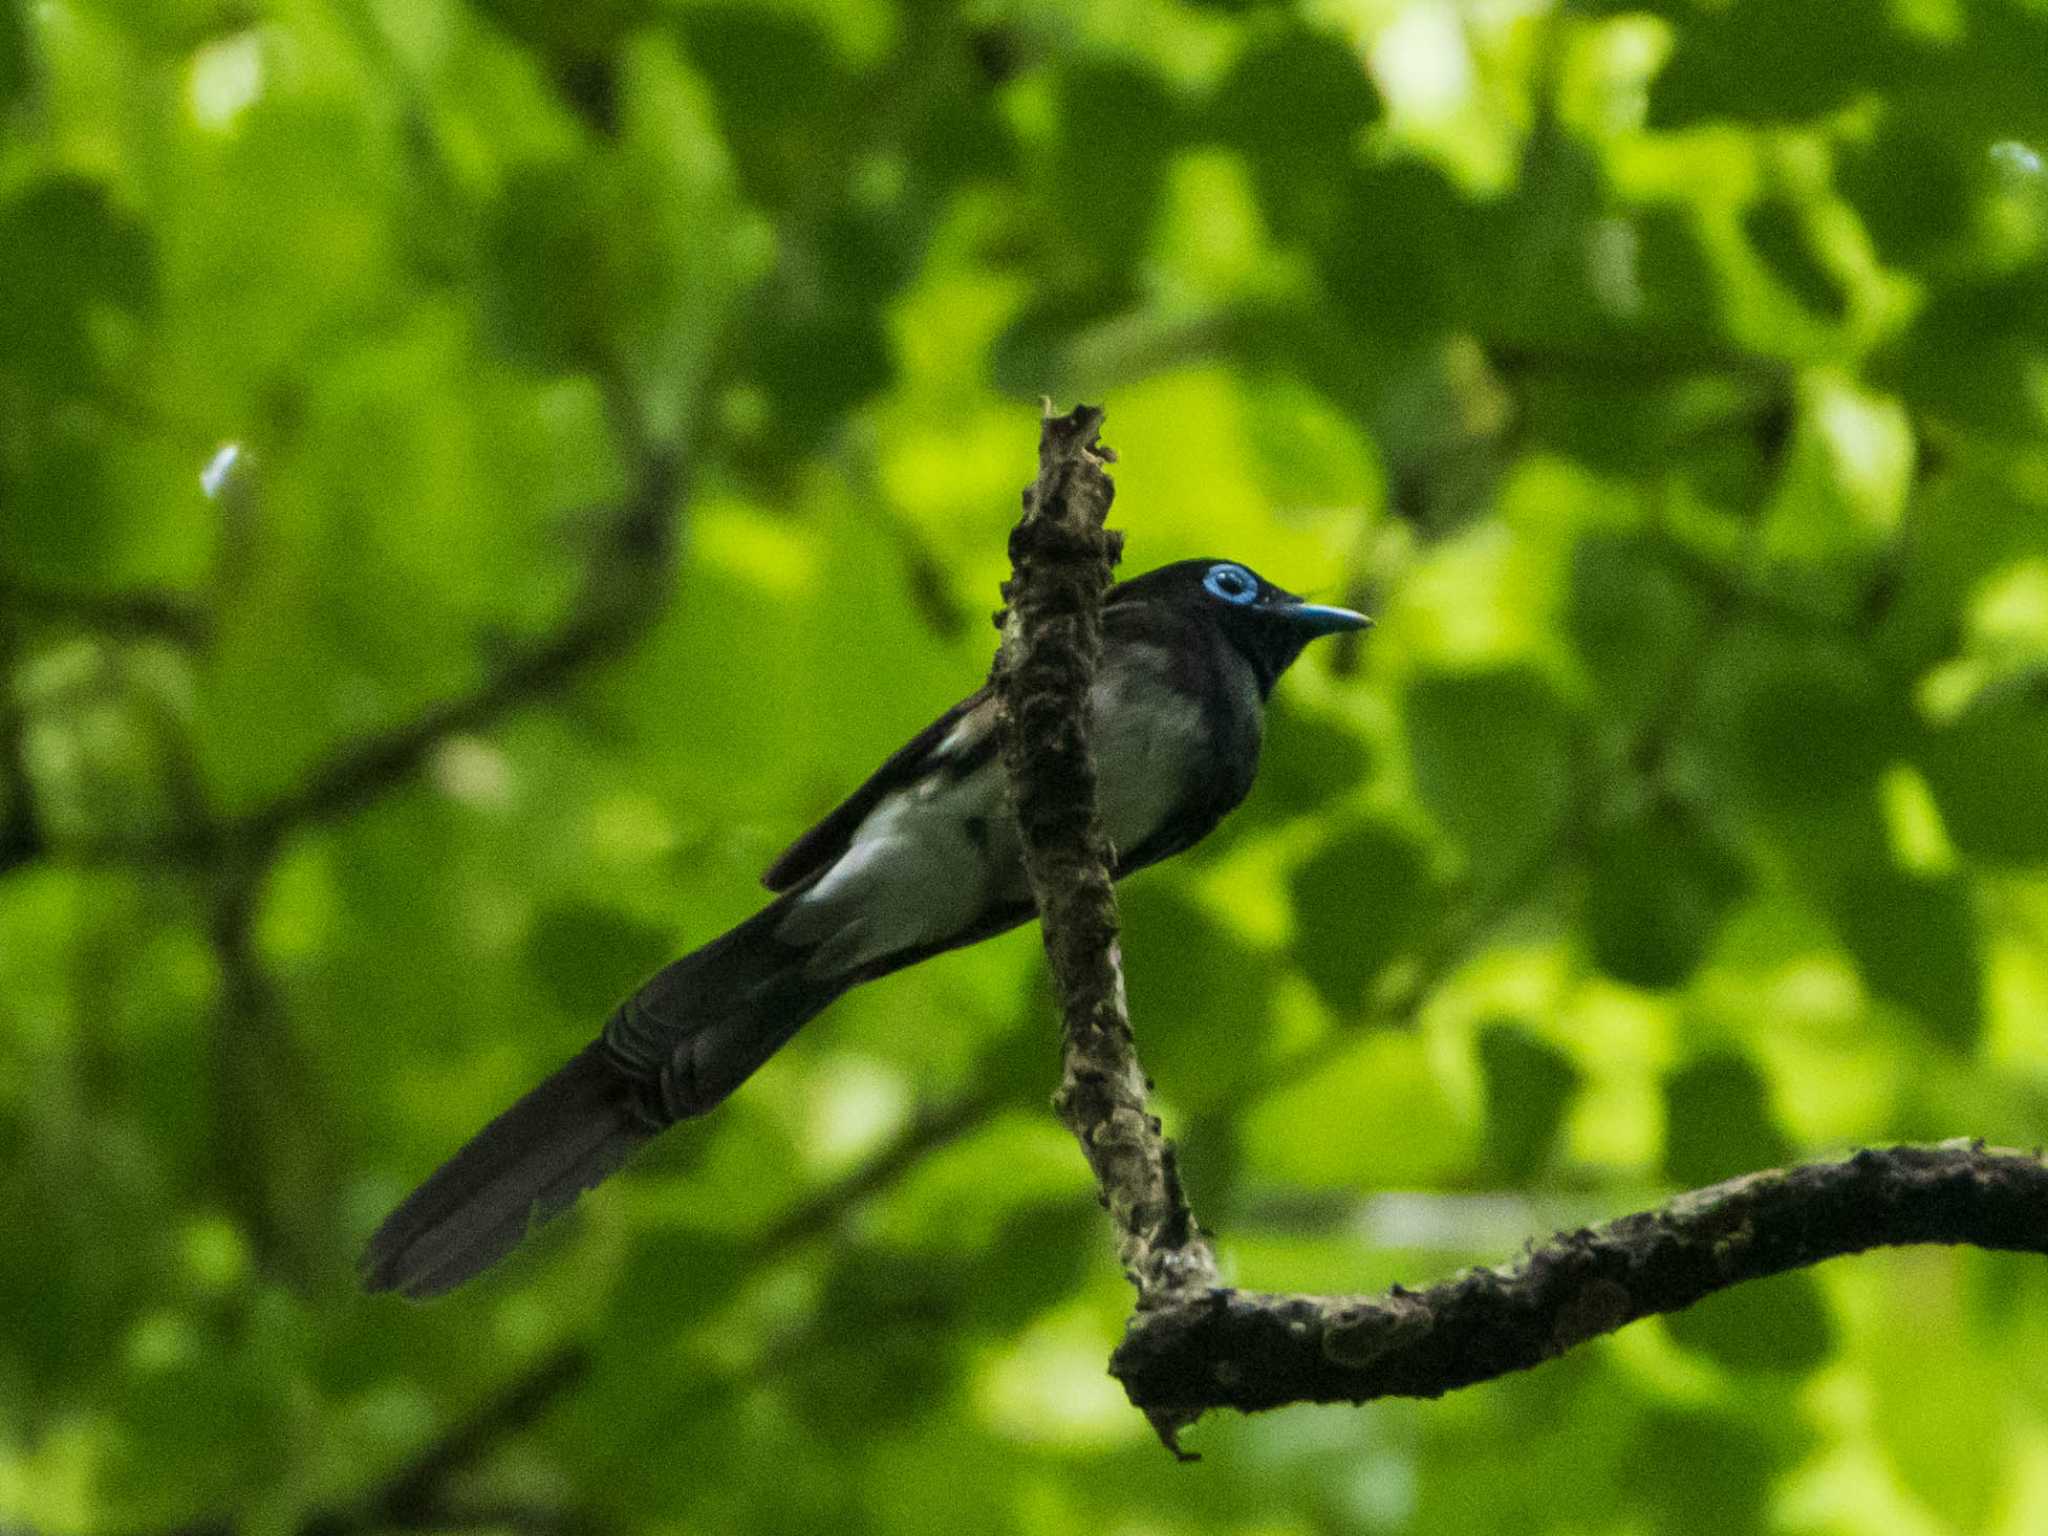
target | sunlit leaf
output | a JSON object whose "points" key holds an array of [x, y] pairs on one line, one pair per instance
{"points": [[1943, 1405]]}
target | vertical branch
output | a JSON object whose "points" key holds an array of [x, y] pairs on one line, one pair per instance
{"points": [[274, 1144], [1061, 557]]}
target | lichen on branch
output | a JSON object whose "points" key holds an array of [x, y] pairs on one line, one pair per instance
{"points": [[1061, 559], [1193, 1344], [1248, 1351]]}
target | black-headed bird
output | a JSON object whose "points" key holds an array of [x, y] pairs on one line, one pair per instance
{"points": [[921, 858]]}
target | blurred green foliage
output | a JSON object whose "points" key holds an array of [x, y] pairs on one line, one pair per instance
{"points": [[632, 400]]}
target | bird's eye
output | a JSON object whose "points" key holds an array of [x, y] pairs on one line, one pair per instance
{"points": [[1232, 583]]}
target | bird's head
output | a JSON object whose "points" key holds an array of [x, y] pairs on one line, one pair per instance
{"points": [[1269, 625]]}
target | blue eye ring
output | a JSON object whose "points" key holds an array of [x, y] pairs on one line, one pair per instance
{"points": [[1232, 583]]}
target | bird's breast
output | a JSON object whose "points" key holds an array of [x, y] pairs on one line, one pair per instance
{"points": [[930, 863], [1151, 742]]}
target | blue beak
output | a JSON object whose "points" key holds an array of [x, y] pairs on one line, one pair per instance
{"points": [[1318, 619]]}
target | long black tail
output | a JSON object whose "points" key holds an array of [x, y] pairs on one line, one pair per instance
{"points": [[673, 1050], [525, 1166]]}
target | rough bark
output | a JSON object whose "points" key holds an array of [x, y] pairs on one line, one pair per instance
{"points": [[1193, 1344]]}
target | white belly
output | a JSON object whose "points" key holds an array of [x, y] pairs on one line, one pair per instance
{"points": [[931, 858]]}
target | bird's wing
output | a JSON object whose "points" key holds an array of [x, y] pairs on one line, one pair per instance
{"points": [[956, 744]]}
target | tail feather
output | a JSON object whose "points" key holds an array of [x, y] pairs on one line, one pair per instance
{"points": [[709, 1021], [526, 1166], [672, 1051]]}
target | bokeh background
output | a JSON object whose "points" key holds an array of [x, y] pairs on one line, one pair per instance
{"points": [[478, 476]]}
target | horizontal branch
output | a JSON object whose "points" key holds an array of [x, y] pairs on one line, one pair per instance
{"points": [[143, 613], [415, 1494], [1250, 1351], [625, 593], [932, 1127]]}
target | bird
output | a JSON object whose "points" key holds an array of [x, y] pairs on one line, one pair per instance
{"points": [[923, 857]]}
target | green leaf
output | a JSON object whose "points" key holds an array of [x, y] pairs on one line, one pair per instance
{"points": [[1987, 769], [1530, 1085], [885, 1354], [70, 259], [1391, 260], [1973, 350], [1293, 105], [586, 956], [1942, 1397], [1718, 1121], [1492, 760], [784, 96], [1019, 1065], [816, 354], [1375, 1116], [65, 517], [622, 1428], [1045, 345], [1203, 998], [1040, 1254], [630, 260], [98, 746], [1118, 126], [1634, 620], [1683, 294], [1694, 1469], [1660, 885], [1842, 491], [1210, 1152], [1365, 897], [548, 222], [1622, 421], [1916, 941], [1778, 232], [1974, 84], [669, 1281], [1306, 761], [1912, 188], [1778, 1325], [1763, 61], [1813, 732], [17, 62]]}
